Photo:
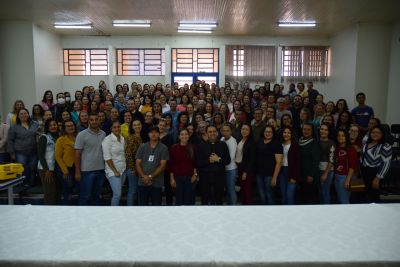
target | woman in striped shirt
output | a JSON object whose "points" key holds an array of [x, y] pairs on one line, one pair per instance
{"points": [[375, 162]]}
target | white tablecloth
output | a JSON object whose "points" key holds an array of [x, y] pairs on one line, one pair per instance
{"points": [[345, 235]]}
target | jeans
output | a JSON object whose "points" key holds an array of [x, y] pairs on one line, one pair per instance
{"points": [[133, 181], [325, 190], [231, 176], [116, 186], [184, 190], [265, 189], [68, 184], [288, 189], [4, 158], [91, 186], [147, 193], [342, 193], [30, 163]]}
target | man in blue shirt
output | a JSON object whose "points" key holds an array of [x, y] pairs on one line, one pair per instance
{"points": [[362, 113]]}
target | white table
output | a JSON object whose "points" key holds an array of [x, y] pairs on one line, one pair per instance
{"points": [[334, 235], [9, 186]]}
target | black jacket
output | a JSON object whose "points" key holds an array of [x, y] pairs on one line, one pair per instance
{"points": [[203, 154]]}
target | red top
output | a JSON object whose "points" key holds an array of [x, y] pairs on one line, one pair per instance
{"points": [[180, 163], [346, 158]]}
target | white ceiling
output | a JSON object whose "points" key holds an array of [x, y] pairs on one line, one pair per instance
{"points": [[234, 17]]}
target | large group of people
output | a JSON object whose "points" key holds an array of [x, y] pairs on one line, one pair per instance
{"points": [[230, 144]]}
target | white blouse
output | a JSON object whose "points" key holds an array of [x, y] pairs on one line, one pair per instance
{"points": [[114, 150]]}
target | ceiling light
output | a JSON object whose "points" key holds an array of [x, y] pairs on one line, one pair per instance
{"points": [[194, 31], [67, 25], [132, 23], [197, 24], [297, 24]]}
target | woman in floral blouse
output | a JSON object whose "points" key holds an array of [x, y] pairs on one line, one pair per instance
{"points": [[133, 141]]}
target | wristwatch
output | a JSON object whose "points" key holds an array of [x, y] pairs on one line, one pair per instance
{"points": [[150, 176]]}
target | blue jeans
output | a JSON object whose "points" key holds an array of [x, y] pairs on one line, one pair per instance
{"points": [[231, 176], [184, 190], [265, 189], [342, 193], [30, 164], [287, 189], [4, 158], [68, 185], [132, 187], [325, 190], [116, 186], [91, 186], [147, 193]]}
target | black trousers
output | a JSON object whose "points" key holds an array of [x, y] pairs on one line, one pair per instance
{"points": [[369, 174], [212, 188]]}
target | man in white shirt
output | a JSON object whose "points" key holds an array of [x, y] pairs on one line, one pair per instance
{"points": [[231, 169]]}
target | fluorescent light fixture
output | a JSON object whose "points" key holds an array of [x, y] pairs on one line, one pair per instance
{"points": [[67, 25], [297, 24], [197, 24], [194, 31], [132, 23]]}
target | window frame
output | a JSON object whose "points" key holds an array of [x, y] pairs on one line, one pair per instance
{"points": [[301, 64], [87, 53], [141, 60]]}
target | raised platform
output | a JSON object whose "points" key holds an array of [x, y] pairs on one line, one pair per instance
{"points": [[332, 235]]}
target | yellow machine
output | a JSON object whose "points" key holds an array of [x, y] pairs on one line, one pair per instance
{"points": [[11, 171]]}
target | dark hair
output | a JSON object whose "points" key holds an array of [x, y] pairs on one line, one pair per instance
{"points": [[40, 107], [18, 120], [189, 147], [63, 126], [360, 94], [327, 126], [378, 121], [346, 107], [182, 114], [251, 131], [312, 128], [44, 96], [210, 125], [284, 116], [346, 135], [292, 132], [339, 123], [273, 132], [384, 136], [47, 125]]}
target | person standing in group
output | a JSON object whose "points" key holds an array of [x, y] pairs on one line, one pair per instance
{"points": [[47, 163], [269, 155], [309, 151], [362, 113], [151, 160], [212, 157], [290, 170], [375, 162], [4, 156], [183, 171], [114, 156], [11, 118], [246, 161], [64, 154], [231, 169], [345, 165], [133, 141], [22, 145], [326, 161], [89, 163]]}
